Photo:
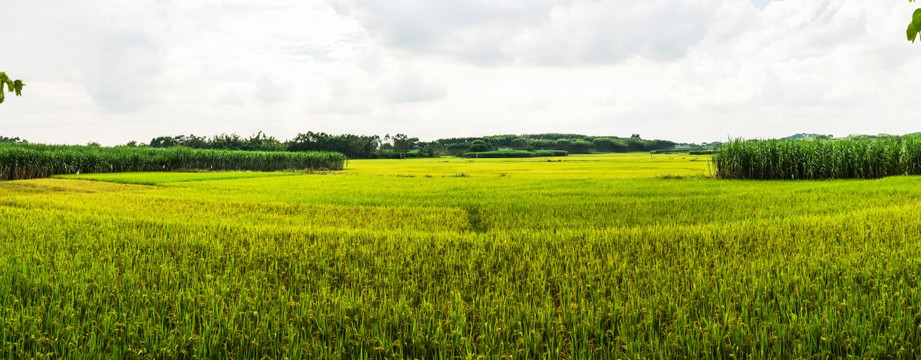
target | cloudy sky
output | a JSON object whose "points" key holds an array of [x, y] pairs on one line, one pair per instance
{"points": [[686, 70]]}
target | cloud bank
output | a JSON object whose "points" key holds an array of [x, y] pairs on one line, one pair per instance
{"points": [[687, 70]]}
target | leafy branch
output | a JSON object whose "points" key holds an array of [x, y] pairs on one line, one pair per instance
{"points": [[13, 86], [914, 27]]}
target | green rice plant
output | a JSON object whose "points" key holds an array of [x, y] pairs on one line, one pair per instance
{"points": [[569, 260]]}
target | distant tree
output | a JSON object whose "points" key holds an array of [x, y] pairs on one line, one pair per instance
{"points": [[192, 141], [543, 144], [352, 146], [581, 147], [12, 140], [163, 142], [400, 144], [634, 144], [13, 86], [518, 143], [478, 146], [386, 143], [261, 142], [227, 142], [563, 144], [659, 144], [603, 144], [635, 136], [425, 150], [436, 148]]}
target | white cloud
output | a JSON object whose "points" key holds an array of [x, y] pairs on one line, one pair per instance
{"points": [[343, 95], [406, 84], [477, 31], [608, 32], [688, 70], [124, 73], [270, 91], [536, 32]]}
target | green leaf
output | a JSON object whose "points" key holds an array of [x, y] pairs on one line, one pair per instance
{"points": [[916, 19], [911, 32], [17, 86]]}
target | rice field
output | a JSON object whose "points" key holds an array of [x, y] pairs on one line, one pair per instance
{"points": [[587, 256]]}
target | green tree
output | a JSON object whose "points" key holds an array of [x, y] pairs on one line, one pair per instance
{"points": [[400, 144], [13, 140], [163, 142], [386, 143], [914, 27], [478, 146], [13, 86]]}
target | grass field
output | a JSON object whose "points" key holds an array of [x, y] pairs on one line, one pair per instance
{"points": [[594, 256]]}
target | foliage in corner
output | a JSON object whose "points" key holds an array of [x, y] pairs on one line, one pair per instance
{"points": [[14, 86], [914, 27]]}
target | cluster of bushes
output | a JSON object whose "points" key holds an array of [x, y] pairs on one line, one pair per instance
{"points": [[390, 154], [571, 143], [27, 161], [352, 146], [12, 140], [402, 146], [515, 154], [698, 150], [862, 158], [258, 142]]}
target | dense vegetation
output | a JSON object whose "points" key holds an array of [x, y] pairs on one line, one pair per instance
{"points": [[27, 161], [571, 143], [598, 256], [515, 154], [862, 158], [402, 146], [15, 140], [353, 146]]}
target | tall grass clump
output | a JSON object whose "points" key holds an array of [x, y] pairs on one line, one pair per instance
{"points": [[833, 159], [28, 161]]}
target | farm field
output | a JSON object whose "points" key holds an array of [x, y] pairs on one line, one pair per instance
{"points": [[585, 256]]}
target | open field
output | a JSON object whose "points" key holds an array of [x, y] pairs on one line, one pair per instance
{"points": [[596, 256]]}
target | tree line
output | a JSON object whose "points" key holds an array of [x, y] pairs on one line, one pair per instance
{"points": [[352, 146], [402, 146], [573, 143]]}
